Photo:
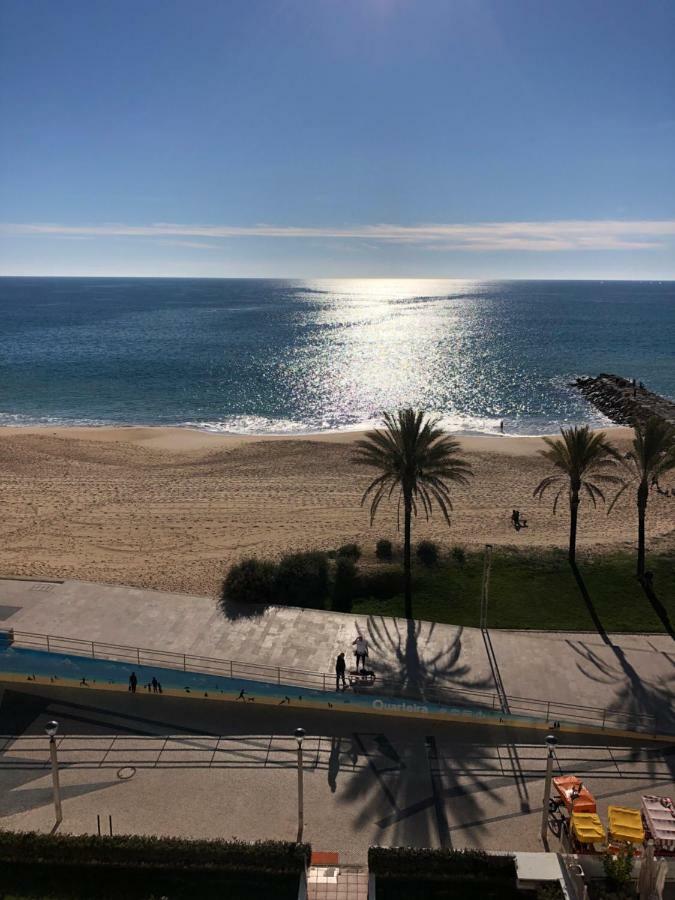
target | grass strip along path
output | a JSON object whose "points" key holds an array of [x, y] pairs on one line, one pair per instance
{"points": [[539, 591]]}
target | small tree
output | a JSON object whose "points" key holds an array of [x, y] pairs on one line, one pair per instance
{"points": [[619, 873]]}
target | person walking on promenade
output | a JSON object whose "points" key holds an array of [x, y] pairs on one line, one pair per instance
{"points": [[361, 651], [133, 681], [340, 666], [155, 684]]}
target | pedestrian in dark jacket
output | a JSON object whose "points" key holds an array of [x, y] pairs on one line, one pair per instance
{"points": [[340, 667], [133, 681]]}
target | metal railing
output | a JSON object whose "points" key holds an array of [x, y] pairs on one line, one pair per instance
{"points": [[428, 691]]}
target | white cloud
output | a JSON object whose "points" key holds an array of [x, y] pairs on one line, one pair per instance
{"points": [[555, 236], [198, 245]]}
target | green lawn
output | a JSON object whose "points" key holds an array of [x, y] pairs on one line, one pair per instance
{"points": [[538, 590]]}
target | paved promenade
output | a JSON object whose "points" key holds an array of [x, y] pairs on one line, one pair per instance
{"points": [[159, 765], [629, 674]]}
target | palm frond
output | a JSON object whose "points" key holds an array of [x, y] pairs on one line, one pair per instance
{"points": [[413, 453]]}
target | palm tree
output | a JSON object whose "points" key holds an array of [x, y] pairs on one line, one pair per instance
{"points": [[584, 460], [652, 454], [415, 457]]}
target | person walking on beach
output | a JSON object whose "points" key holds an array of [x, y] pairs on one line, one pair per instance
{"points": [[501, 426], [133, 681], [340, 666], [361, 652], [155, 684]]}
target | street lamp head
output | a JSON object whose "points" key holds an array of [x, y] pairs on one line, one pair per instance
{"points": [[551, 741], [51, 728], [299, 735]]}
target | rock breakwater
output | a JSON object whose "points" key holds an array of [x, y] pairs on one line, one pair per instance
{"points": [[623, 401]]}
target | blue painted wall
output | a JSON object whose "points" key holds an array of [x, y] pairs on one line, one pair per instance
{"points": [[26, 665]]}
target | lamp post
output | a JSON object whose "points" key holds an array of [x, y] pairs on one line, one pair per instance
{"points": [[551, 742], [50, 729], [300, 736]]}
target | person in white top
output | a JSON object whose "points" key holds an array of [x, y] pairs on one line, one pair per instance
{"points": [[361, 651]]}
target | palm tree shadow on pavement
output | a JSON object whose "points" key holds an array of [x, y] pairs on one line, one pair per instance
{"points": [[636, 697], [407, 657], [406, 799]]}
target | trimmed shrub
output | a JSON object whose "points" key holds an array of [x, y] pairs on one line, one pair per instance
{"points": [[250, 581], [427, 553], [349, 551], [384, 549], [344, 584], [302, 580], [459, 555], [130, 866]]}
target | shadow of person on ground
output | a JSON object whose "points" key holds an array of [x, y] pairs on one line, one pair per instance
{"points": [[334, 763]]}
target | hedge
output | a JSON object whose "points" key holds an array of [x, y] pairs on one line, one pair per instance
{"points": [[407, 862], [449, 889], [129, 866], [266, 856], [409, 873], [55, 881]]}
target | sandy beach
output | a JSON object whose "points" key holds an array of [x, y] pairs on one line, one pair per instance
{"points": [[171, 508]]}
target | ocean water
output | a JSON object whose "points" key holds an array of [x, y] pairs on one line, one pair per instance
{"points": [[273, 356]]}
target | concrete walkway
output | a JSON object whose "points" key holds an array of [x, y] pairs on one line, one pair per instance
{"points": [[229, 770], [630, 674]]}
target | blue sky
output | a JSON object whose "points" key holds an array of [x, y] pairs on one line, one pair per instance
{"points": [[460, 138]]}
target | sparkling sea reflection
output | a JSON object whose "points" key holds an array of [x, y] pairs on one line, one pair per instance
{"points": [[278, 356]]}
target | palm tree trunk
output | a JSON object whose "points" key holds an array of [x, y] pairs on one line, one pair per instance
{"points": [[574, 513], [407, 566], [642, 496]]}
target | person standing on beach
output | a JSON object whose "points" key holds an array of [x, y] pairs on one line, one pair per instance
{"points": [[501, 426], [133, 681], [340, 666]]}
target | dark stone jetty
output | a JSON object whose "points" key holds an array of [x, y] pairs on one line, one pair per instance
{"points": [[625, 402]]}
